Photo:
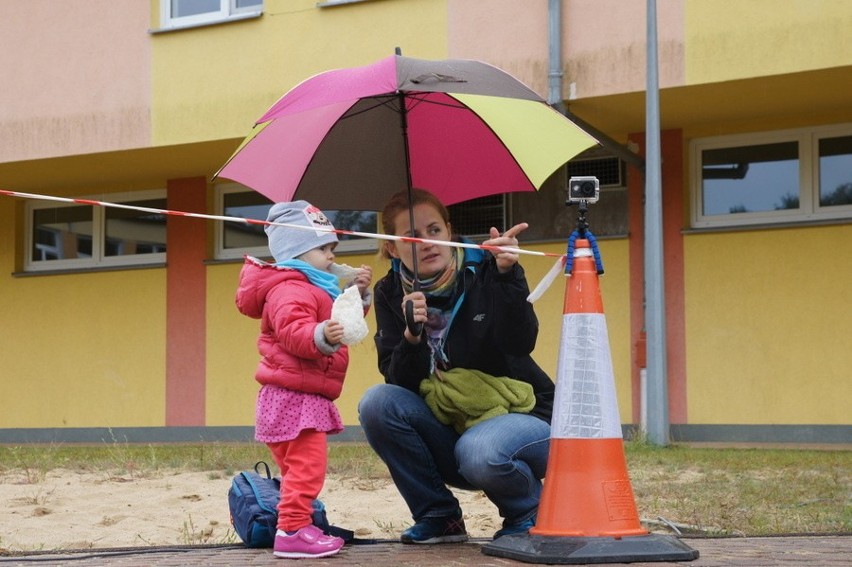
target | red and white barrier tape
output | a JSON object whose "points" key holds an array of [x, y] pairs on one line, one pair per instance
{"points": [[241, 220]]}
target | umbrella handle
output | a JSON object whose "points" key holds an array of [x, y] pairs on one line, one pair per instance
{"points": [[414, 327]]}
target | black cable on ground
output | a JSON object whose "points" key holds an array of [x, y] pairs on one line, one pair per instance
{"points": [[7, 556], [78, 554]]}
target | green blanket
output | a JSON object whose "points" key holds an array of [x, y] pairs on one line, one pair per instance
{"points": [[462, 398]]}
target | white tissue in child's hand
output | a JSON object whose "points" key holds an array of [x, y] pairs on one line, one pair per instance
{"points": [[343, 271], [349, 312]]}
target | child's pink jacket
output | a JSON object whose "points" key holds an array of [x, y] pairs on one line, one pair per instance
{"points": [[294, 353]]}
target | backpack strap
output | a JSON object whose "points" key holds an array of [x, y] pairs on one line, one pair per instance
{"points": [[265, 466]]}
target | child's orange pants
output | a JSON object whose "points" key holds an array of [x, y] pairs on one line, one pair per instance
{"points": [[303, 463]]}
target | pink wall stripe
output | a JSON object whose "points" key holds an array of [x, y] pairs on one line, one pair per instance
{"points": [[673, 222], [186, 304]]}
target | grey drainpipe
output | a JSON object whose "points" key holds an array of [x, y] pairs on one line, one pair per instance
{"points": [[554, 89], [554, 77]]}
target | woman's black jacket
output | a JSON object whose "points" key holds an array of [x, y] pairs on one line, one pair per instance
{"points": [[494, 331]]}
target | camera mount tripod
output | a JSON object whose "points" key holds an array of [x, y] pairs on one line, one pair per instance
{"points": [[582, 231]]}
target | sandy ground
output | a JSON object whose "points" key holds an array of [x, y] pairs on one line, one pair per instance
{"points": [[72, 510]]}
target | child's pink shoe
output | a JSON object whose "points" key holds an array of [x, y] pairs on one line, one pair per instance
{"points": [[307, 542]]}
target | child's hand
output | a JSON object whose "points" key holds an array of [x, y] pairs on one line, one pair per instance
{"points": [[363, 279], [333, 332]]}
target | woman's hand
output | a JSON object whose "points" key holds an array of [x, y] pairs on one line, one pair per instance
{"points": [[418, 301], [505, 260]]}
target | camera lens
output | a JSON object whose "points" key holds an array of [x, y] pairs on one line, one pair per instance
{"points": [[587, 189]]}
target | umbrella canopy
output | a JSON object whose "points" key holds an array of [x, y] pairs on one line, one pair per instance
{"points": [[348, 139]]}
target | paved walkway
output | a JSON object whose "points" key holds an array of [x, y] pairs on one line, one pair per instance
{"points": [[822, 551]]}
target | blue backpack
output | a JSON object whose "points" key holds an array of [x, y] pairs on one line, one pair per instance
{"points": [[253, 500]]}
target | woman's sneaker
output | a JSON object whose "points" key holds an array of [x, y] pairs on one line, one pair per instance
{"points": [[518, 528], [444, 529], [309, 541]]}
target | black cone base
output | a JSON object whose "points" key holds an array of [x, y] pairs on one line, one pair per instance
{"points": [[564, 550]]}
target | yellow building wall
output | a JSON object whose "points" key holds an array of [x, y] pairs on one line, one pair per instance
{"points": [[108, 372], [768, 326], [732, 39], [78, 350], [213, 82], [232, 352]]}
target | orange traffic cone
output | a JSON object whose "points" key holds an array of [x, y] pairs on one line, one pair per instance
{"points": [[587, 512]]}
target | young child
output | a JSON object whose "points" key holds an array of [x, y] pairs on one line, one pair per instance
{"points": [[302, 367]]}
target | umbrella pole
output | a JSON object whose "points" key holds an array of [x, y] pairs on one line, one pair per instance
{"points": [[414, 328]]}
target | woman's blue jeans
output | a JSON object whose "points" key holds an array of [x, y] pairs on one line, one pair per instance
{"points": [[505, 456]]}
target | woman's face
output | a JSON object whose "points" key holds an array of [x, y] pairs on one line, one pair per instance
{"points": [[431, 258]]}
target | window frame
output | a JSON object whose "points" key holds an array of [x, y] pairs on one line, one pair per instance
{"points": [[474, 209], [357, 246], [228, 11], [809, 210], [99, 259]]}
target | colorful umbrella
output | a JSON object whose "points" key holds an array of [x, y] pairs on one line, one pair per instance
{"points": [[350, 138]]}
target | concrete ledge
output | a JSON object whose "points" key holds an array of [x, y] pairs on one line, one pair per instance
{"points": [[799, 434], [232, 434], [680, 433], [755, 434]]}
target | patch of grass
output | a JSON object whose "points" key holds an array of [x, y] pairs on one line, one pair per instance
{"points": [[388, 528], [744, 491], [121, 458], [39, 497], [190, 534], [355, 460], [723, 491]]}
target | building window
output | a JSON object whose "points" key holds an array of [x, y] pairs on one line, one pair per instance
{"points": [[474, 218], [546, 211], [607, 217], [191, 13], [235, 239], [835, 171], [85, 236], [550, 218], [791, 176]]}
